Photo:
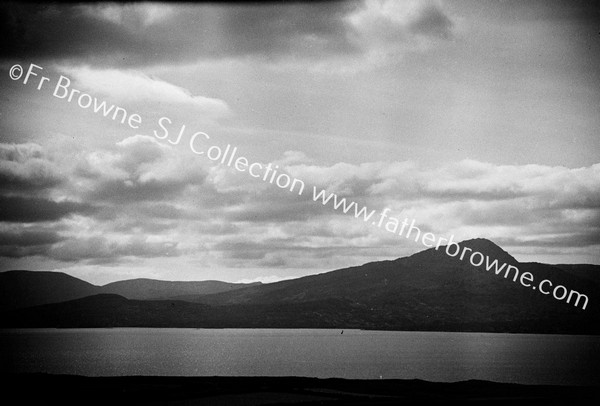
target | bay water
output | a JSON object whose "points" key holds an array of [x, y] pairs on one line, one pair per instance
{"points": [[357, 354]]}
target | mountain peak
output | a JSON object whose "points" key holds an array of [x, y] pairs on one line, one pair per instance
{"points": [[483, 242], [489, 248], [482, 245]]}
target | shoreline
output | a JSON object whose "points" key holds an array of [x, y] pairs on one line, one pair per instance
{"points": [[59, 328], [174, 390]]}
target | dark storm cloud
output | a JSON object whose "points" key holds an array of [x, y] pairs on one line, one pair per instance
{"points": [[11, 181], [48, 31], [18, 244], [29, 210], [125, 35]]}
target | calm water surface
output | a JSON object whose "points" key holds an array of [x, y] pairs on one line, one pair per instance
{"points": [[434, 356]]}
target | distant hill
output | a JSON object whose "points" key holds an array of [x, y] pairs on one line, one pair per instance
{"points": [[32, 288], [152, 289], [19, 289], [426, 291]]}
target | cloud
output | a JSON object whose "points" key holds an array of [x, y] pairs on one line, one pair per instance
{"points": [[556, 187], [386, 29], [300, 29], [432, 21], [146, 199], [42, 31], [26, 167], [25, 243], [140, 169], [150, 34], [28, 238], [100, 249], [144, 14], [29, 210], [276, 211], [132, 86], [568, 240], [146, 33]]}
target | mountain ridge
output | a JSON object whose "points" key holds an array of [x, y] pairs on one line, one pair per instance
{"points": [[428, 291], [22, 288]]}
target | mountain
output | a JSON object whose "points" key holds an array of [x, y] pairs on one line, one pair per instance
{"points": [[152, 289], [431, 290], [584, 271], [19, 289], [427, 273], [426, 291], [29, 288]]}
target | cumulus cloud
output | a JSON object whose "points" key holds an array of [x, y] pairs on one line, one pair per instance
{"points": [[391, 20], [184, 207], [139, 169], [128, 86], [26, 167], [467, 198], [557, 187], [387, 28]]}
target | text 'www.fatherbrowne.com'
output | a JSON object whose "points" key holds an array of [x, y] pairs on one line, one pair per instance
{"points": [[408, 229]]}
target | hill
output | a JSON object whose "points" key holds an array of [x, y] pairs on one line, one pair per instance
{"points": [[20, 289], [426, 291], [152, 289], [32, 288]]}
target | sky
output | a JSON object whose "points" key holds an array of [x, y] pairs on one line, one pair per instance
{"points": [[474, 118]]}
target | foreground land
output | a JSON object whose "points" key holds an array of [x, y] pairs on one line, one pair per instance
{"points": [[41, 389]]}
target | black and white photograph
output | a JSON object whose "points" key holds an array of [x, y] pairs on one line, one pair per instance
{"points": [[352, 202]]}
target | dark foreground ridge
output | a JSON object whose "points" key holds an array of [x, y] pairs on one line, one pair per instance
{"points": [[77, 390]]}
